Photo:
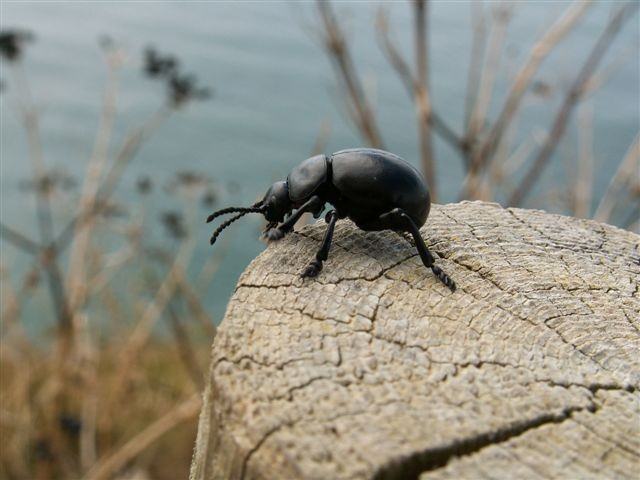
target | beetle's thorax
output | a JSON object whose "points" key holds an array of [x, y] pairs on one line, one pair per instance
{"points": [[308, 178]]}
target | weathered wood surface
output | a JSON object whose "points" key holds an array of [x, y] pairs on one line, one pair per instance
{"points": [[375, 370]]}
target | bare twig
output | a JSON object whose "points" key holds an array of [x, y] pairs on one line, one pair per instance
{"points": [[512, 163], [76, 280], [552, 37], [609, 71], [128, 150], [497, 33], [572, 98], [106, 467], [181, 336], [632, 222], [628, 168], [478, 42], [19, 240], [153, 311], [410, 82], [584, 178], [423, 99], [338, 49], [185, 349], [12, 309], [491, 179], [55, 280], [195, 305], [89, 408]]}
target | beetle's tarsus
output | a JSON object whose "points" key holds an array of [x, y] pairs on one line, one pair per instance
{"points": [[274, 234], [444, 278], [312, 270]]}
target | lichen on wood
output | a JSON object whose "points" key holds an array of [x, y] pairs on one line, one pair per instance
{"points": [[376, 370]]}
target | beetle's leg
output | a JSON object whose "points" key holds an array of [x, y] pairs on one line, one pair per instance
{"points": [[315, 265], [314, 204], [425, 254]]}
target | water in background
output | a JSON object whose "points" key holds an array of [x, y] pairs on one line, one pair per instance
{"points": [[274, 88]]}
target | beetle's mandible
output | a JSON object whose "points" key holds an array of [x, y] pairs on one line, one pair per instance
{"points": [[377, 190]]}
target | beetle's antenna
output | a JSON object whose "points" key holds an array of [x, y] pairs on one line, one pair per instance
{"points": [[255, 208], [242, 213]]}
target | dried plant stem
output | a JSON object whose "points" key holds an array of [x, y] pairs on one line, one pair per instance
{"points": [[195, 305], [492, 178], [106, 467], [632, 222], [76, 278], [181, 336], [411, 84], [12, 309], [130, 147], [19, 240], [11, 302], [572, 98], [503, 171], [49, 262], [584, 178], [497, 34], [551, 38], [211, 266], [340, 55], [604, 74], [77, 282], [152, 312], [185, 349], [110, 268], [478, 42], [629, 168], [423, 99], [89, 408]]}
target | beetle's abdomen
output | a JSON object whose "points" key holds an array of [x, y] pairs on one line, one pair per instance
{"points": [[374, 182], [306, 178]]}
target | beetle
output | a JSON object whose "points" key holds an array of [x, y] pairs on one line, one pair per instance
{"points": [[377, 190]]}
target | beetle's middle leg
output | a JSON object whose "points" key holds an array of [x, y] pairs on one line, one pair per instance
{"points": [[315, 265], [398, 216]]}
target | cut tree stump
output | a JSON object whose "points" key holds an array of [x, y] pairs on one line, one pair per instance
{"points": [[376, 370]]}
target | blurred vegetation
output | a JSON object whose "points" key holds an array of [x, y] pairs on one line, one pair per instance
{"points": [[495, 168], [108, 396]]}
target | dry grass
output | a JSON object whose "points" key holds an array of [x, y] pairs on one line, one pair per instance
{"points": [[42, 414], [106, 393]]}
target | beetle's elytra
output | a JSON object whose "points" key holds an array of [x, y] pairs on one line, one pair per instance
{"points": [[377, 190]]}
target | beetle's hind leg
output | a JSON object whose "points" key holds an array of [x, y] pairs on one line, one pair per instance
{"points": [[397, 216], [322, 254]]}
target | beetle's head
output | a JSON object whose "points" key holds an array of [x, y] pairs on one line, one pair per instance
{"points": [[274, 206], [276, 202]]}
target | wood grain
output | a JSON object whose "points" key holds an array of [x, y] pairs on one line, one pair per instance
{"points": [[376, 370]]}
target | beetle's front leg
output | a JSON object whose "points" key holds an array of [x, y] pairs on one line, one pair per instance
{"points": [[315, 265], [314, 204]]}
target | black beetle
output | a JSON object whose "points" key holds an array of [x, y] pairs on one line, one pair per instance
{"points": [[377, 190]]}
